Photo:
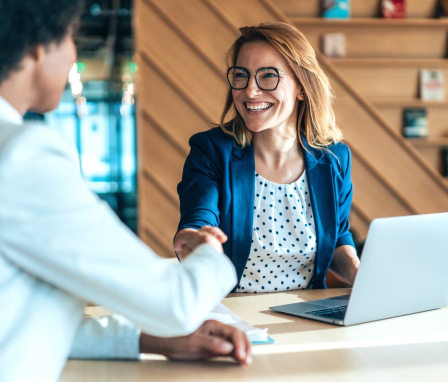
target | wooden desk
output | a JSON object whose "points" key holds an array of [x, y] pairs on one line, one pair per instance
{"points": [[410, 348]]}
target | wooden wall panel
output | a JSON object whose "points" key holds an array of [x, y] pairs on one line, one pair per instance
{"points": [[249, 13], [432, 156], [169, 159], [167, 105], [197, 16], [177, 60], [158, 215], [377, 78], [393, 158]]}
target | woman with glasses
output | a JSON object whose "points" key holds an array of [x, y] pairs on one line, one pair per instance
{"points": [[273, 181]]}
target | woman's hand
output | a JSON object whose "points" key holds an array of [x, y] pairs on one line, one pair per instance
{"points": [[345, 264], [211, 339], [188, 239]]}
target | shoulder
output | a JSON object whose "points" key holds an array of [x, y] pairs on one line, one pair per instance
{"points": [[30, 141], [33, 134], [213, 142], [338, 155], [214, 136]]}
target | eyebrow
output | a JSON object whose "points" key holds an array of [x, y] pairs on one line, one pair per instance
{"points": [[263, 67]]}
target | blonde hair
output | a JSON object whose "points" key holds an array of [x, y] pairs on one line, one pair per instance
{"points": [[315, 116]]}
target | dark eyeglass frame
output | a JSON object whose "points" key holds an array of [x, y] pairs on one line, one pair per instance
{"points": [[255, 75]]}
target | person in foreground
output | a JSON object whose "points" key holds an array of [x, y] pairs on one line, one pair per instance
{"points": [[60, 246], [275, 178]]}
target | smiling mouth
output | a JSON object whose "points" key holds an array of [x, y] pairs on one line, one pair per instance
{"points": [[257, 107]]}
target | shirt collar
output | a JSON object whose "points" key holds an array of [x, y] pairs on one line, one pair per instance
{"points": [[9, 114]]}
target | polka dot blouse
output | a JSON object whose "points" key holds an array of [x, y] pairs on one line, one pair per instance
{"points": [[283, 245]]}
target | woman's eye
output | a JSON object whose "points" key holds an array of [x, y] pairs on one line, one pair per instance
{"points": [[269, 75], [240, 75]]}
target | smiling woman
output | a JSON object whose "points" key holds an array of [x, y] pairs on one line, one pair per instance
{"points": [[275, 178]]}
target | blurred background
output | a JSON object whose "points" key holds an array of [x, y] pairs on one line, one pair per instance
{"points": [[97, 110]]}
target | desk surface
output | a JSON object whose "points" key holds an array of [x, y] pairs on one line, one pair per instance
{"points": [[409, 348]]}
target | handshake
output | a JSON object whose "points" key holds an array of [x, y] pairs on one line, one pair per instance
{"points": [[188, 239]]}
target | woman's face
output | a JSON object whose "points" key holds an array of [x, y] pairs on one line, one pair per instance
{"points": [[262, 109]]}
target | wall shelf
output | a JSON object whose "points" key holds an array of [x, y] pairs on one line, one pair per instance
{"points": [[407, 102], [371, 22], [429, 142], [433, 63]]}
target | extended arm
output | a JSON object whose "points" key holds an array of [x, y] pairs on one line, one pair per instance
{"points": [[55, 229], [112, 337]]}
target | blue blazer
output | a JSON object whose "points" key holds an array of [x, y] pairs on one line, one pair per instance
{"points": [[218, 186]]}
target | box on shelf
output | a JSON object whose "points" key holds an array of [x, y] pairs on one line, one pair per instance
{"points": [[333, 45], [432, 85], [336, 9], [393, 9], [442, 8], [415, 123], [445, 161]]}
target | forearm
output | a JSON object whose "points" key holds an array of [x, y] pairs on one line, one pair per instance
{"points": [[211, 339], [153, 344], [345, 263]]}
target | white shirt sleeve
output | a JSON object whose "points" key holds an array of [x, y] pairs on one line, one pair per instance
{"points": [[108, 337], [53, 227]]}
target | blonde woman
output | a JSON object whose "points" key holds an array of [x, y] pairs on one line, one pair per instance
{"points": [[273, 180]]}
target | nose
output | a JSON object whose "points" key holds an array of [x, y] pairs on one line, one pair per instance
{"points": [[252, 89]]}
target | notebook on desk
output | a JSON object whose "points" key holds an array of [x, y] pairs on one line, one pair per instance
{"points": [[403, 270]]}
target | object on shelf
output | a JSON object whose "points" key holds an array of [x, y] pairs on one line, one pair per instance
{"points": [[432, 85], [415, 124], [393, 9], [442, 8], [336, 9], [333, 45], [445, 161]]}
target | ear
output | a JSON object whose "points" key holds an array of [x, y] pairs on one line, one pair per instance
{"points": [[37, 53], [300, 95]]}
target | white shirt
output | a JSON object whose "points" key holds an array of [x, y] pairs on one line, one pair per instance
{"points": [[283, 245], [60, 246]]}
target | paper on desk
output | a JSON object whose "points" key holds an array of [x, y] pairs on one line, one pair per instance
{"points": [[226, 316]]}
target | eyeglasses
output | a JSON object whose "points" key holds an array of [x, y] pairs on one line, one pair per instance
{"points": [[266, 78]]}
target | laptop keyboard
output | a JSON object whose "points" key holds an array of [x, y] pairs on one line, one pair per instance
{"points": [[338, 312]]}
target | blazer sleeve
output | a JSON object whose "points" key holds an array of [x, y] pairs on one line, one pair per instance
{"points": [[345, 197], [199, 189]]}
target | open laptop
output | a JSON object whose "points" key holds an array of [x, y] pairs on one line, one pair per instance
{"points": [[403, 270]]}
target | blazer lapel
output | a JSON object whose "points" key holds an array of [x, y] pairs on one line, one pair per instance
{"points": [[319, 174], [242, 175]]}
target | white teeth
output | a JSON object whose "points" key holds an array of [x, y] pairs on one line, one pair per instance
{"points": [[258, 107]]}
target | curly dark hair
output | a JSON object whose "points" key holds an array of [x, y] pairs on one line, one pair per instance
{"points": [[27, 23]]}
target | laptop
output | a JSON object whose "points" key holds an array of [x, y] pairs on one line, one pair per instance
{"points": [[403, 270]]}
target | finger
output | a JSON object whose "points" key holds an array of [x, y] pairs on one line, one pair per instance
{"points": [[214, 345], [242, 347], [215, 231], [185, 241], [241, 344]]}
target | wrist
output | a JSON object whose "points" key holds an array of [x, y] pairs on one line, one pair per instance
{"points": [[153, 345]]}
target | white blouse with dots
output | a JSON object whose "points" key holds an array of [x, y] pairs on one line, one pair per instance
{"points": [[283, 238]]}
